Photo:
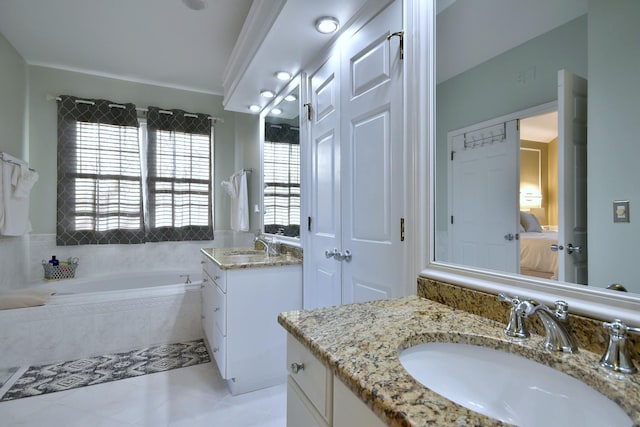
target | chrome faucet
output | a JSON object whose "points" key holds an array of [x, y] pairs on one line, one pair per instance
{"points": [[554, 322], [617, 356], [515, 327], [269, 245]]}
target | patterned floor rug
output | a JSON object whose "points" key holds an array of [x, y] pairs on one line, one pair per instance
{"points": [[43, 379]]}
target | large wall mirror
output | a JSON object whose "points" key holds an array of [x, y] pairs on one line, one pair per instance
{"points": [[281, 165], [536, 141]]}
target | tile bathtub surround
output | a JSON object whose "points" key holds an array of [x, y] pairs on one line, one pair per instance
{"points": [[360, 344], [588, 332]]}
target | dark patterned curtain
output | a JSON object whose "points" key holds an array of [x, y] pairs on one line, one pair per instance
{"points": [[179, 176], [99, 184]]}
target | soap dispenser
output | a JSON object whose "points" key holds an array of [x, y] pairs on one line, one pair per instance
{"points": [[53, 261]]}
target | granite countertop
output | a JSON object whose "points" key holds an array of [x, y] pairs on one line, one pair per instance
{"points": [[239, 258], [360, 344]]}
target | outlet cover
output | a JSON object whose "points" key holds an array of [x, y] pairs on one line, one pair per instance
{"points": [[621, 211]]}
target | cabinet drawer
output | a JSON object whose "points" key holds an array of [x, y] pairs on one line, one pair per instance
{"points": [[220, 310], [219, 349], [314, 379], [216, 273]]}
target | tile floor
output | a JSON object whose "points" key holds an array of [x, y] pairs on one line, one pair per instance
{"points": [[186, 397]]}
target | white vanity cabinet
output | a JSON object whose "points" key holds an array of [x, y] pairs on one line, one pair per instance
{"points": [[317, 398], [240, 309]]}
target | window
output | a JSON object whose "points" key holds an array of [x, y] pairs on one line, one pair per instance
{"points": [[99, 179], [179, 177], [281, 165], [101, 195]]}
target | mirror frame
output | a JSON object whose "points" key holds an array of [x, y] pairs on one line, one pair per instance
{"points": [[294, 83], [588, 301]]}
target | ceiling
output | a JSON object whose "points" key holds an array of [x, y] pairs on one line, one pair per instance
{"points": [[160, 42], [542, 128]]}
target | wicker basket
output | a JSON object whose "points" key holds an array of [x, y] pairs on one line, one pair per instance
{"points": [[64, 270]]}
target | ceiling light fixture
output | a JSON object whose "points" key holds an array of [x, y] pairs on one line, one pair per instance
{"points": [[254, 108], [195, 4], [290, 98], [327, 24], [267, 93], [276, 111], [283, 75]]}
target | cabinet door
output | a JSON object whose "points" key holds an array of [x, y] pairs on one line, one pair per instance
{"points": [[300, 412], [208, 301], [350, 411]]}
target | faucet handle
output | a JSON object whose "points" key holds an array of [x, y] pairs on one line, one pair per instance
{"points": [[515, 326], [617, 356]]}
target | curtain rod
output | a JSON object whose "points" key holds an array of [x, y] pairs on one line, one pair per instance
{"points": [[12, 162], [143, 110]]}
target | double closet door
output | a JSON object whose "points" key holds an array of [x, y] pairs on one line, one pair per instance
{"points": [[355, 248]]}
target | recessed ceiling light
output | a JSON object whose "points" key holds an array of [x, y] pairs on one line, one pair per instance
{"points": [[283, 75], [195, 4], [255, 108], [276, 111], [327, 24], [267, 93], [291, 97]]}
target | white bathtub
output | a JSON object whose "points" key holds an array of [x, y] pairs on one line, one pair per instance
{"points": [[105, 314]]}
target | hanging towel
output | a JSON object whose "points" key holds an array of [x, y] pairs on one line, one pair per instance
{"points": [[14, 208], [236, 187]]}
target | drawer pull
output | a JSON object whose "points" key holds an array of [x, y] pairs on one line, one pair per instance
{"points": [[202, 262], [215, 349], [216, 278], [205, 280], [297, 367], [216, 309]]}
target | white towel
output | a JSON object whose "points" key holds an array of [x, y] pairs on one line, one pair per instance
{"points": [[237, 189], [14, 211]]}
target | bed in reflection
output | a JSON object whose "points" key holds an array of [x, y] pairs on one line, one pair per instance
{"points": [[536, 257]]}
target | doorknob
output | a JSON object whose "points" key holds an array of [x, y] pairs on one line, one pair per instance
{"points": [[556, 248], [509, 237], [571, 249], [332, 254], [342, 256]]}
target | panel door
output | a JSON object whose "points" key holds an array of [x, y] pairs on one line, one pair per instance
{"points": [[572, 185], [373, 191], [484, 200], [322, 282]]}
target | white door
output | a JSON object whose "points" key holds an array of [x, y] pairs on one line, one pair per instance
{"points": [[373, 190], [322, 275], [572, 178], [483, 194]]}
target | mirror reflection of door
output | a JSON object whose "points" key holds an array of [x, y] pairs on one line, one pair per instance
{"points": [[281, 168]]}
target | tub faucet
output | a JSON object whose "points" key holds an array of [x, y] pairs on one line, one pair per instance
{"points": [[557, 337], [188, 281], [269, 245]]}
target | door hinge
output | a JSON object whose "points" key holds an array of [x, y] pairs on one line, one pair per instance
{"points": [[402, 229], [400, 35], [451, 219], [453, 154], [308, 107], [517, 125], [308, 223]]}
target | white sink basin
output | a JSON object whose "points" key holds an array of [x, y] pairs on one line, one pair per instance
{"points": [[508, 387]]}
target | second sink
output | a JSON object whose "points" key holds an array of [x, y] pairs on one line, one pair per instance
{"points": [[508, 387]]}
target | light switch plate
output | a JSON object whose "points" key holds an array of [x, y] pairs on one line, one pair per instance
{"points": [[621, 211]]}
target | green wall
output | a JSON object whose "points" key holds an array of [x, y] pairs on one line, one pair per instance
{"points": [[614, 144], [43, 130], [13, 86], [491, 90]]}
